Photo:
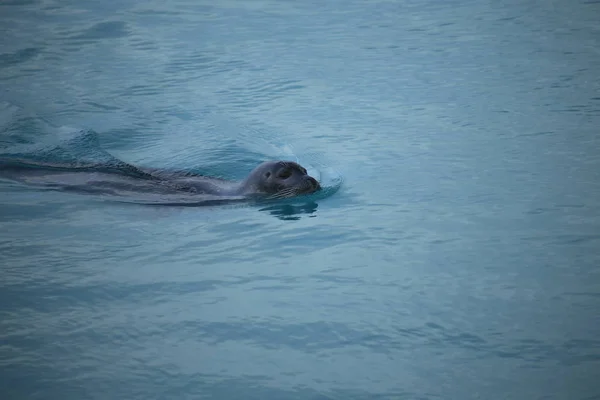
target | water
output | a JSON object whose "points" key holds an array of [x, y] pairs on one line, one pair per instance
{"points": [[454, 257]]}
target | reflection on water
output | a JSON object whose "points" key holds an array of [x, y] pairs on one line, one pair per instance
{"points": [[292, 212]]}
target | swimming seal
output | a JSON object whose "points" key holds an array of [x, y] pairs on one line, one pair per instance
{"points": [[269, 180]]}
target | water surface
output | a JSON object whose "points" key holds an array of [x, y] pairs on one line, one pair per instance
{"points": [[456, 256]]}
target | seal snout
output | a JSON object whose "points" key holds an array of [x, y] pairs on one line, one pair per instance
{"points": [[313, 183]]}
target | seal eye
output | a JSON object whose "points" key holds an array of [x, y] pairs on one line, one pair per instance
{"points": [[267, 175], [286, 173]]}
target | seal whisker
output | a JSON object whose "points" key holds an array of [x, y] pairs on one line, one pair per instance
{"points": [[288, 192]]}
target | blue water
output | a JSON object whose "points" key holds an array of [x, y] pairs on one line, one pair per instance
{"points": [[455, 255]]}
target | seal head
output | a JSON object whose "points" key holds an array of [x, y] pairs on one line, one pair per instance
{"points": [[279, 179]]}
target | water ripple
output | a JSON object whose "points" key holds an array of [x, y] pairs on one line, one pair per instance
{"points": [[18, 57], [103, 30]]}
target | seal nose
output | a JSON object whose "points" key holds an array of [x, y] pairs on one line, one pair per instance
{"points": [[314, 183]]}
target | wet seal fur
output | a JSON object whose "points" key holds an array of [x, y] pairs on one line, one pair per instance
{"points": [[269, 180]]}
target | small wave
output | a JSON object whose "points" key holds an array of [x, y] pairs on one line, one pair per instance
{"points": [[104, 30], [18, 57]]}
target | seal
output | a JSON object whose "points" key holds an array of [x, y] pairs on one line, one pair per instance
{"points": [[269, 180]]}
